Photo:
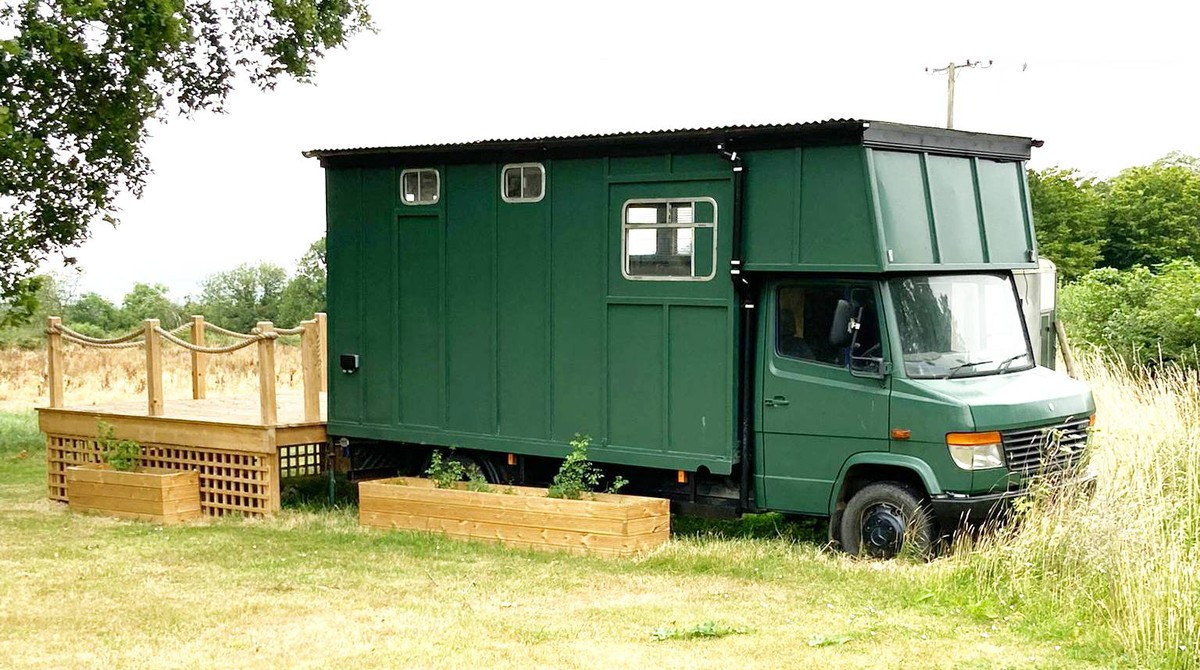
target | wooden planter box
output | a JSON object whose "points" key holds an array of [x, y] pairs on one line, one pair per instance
{"points": [[150, 494], [602, 523]]}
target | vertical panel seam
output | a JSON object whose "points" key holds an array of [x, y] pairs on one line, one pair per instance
{"points": [[443, 226], [665, 443], [548, 315], [797, 204], [496, 183], [605, 409], [983, 240], [1027, 211], [398, 343], [882, 243], [933, 236]]}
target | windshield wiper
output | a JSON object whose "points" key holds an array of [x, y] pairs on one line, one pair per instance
{"points": [[1003, 367], [964, 365]]}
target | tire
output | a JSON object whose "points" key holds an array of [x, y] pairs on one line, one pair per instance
{"points": [[887, 519]]}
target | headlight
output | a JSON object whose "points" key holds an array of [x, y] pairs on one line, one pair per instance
{"points": [[976, 451]]}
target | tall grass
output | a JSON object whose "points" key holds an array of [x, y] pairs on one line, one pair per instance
{"points": [[1126, 555]]}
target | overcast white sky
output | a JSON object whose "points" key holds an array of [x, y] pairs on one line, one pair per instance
{"points": [[1105, 89]]}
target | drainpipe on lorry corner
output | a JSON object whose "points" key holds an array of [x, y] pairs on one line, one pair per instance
{"points": [[745, 359]]}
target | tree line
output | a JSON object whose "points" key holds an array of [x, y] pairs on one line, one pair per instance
{"points": [[236, 299], [1127, 251]]}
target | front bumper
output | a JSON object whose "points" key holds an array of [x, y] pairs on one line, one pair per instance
{"points": [[955, 509]]}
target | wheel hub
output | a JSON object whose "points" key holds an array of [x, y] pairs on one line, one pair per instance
{"points": [[882, 530]]}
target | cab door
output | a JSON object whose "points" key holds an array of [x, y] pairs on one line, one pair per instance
{"points": [[813, 412]]}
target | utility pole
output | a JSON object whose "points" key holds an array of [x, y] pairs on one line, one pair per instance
{"points": [[951, 71]]}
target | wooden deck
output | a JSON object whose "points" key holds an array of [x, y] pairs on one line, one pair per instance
{"points": [[241, 460]]}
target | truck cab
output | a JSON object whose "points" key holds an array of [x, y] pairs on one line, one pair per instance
{"points": [[910, 399]]}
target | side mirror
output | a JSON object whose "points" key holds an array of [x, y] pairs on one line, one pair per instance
{"points": [[845, 323]]}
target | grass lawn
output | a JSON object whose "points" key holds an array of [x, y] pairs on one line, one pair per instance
{"points": [[310, 588]]}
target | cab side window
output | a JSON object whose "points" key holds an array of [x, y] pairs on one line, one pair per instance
{"points": [[804, 318]]}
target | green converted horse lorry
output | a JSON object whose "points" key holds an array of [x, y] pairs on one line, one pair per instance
{"points": [[816, 319]]}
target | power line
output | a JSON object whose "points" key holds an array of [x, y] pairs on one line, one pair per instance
{"points": [[951, 71]]}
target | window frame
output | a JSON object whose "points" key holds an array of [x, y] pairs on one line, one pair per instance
{"points": [[437, 191], [626, 227], [814, 282], [522, 166]]}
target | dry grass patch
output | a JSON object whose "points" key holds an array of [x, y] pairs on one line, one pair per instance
{"points": [[95, 376]]}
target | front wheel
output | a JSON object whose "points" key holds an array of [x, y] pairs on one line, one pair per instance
{"points": [[886, 519]]}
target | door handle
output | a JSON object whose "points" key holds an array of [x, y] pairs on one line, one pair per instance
{"points": [[777, 401]]}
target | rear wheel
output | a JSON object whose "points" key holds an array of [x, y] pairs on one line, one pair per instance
{"points": [[886, 519]]}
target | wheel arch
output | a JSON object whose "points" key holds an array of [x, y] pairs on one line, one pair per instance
{"points": [[862, 469]]}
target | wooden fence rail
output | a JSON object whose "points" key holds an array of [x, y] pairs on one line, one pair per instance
{"points": [[313, 334]]}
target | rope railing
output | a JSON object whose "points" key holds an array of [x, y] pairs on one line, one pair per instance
{"points": [[226, 332], [250, 340], [76, 336], [312, 345]]}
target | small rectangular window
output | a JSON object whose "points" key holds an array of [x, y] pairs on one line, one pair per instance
{"points": [[669, 239], [420, 187], [523, 182]]}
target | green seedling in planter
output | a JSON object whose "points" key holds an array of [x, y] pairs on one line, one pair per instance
{"points": [[448, 471], [578, 475], [122, 455]]}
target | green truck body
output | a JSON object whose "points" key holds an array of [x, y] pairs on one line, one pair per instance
{"points": [[506, 296]]}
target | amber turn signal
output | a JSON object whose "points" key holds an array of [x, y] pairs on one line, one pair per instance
{"points": [[1091, 420], [512, 459], [901, 433], [973, 439], [682, 478]]}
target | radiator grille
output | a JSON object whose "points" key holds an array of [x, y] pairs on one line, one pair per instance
{"points": [[1051, 448]]}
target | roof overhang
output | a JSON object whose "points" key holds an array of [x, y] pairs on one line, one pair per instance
{"points": [[699, 140]]}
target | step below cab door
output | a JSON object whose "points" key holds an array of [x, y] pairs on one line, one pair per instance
{"points": [[814, 412]]}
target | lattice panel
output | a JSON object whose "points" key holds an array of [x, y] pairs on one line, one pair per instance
{"points": [[300, 460], [230, 481]]}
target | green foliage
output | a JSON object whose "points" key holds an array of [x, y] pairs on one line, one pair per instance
{"points": [[149, 301], [122, 455], [94, 311], [19, 307], [706, 630], [81, 80], [476, 481], [446, 472], [305, 292], [1068, 215], [239, 298], [577, 475], [1153, 213], [27, 330], [1142, 315]]}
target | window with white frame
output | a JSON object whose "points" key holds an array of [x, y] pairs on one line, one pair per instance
{"points": [[420, 187], [669, 239], [523, 182]]}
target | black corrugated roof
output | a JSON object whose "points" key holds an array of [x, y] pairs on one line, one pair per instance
{"points": [[738, 138]]}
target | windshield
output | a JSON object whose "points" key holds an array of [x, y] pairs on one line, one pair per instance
{"points": [[959, 326]]}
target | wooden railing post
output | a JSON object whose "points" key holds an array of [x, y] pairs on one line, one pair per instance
{"points": [[154, 381], [310, 362], [199, 360], [323, 349], [266, 374], [54, 363]]}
